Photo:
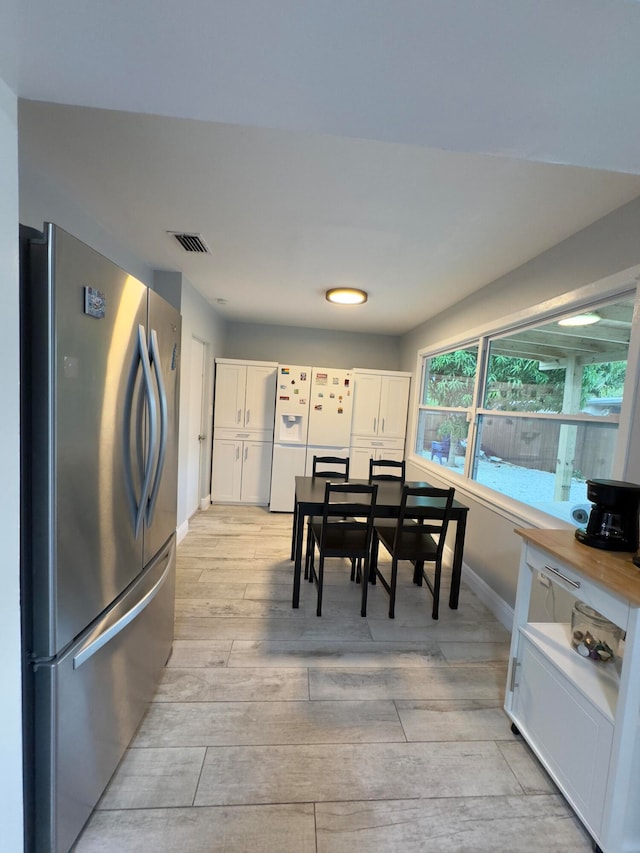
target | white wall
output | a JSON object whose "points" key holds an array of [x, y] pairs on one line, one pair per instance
{"points": [[316, 347], [41, 202], [10, 645], [608, 246]]}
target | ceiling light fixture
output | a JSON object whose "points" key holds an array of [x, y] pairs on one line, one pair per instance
{"points": [[346, 296], [586, 319]]}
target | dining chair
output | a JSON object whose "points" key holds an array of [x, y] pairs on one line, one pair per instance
{"points": [[440, 449], [339, 534], [377, 469], [340, 466], [412, 539], [383, 469]]}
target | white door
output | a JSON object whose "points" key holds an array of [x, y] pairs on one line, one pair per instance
{"points": [[393, 454], [394, 400], [228, 409], [260, 397], [226, 470], [359, 462], [256, 472], [196, 420], [366, 404]]}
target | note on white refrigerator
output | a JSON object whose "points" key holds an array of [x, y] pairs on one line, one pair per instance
{"points": [[331, 408]]}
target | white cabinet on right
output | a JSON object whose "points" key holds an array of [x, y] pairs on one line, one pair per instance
{"points": [[379, 424], [581, 716]]}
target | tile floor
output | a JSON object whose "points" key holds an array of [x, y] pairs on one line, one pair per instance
{"points": [[274, 731]]}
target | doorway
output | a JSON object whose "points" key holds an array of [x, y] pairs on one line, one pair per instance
{"points": [[197, 433]]}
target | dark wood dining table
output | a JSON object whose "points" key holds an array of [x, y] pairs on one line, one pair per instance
{"points": [[309, 500]]}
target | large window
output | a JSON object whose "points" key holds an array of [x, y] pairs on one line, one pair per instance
{"points": [[532, 413]]}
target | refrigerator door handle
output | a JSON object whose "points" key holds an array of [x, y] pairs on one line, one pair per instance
{"points": [[154, 353], [153, 426], [94, 645]]}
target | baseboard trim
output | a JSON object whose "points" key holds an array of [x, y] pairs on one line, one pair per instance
{"points": [[487, 595], [182, 531], [205, 503]]}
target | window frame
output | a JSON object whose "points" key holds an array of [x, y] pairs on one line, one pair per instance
{"points": [[620, 286]]}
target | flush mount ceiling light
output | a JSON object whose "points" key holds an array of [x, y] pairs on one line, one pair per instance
{"points": [[586, 319], [346, 296]]}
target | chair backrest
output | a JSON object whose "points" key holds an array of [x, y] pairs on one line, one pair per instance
{"points": [[338, 467], [386, 469], [430, 507], [342, 501]]}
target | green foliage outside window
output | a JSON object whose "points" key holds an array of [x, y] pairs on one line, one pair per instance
{"points": [[515, 384]]}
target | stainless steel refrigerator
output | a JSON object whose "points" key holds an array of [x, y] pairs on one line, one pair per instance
{"points": [[99, 470]]}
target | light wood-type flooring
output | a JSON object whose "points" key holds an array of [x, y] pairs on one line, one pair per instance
{"points": [[275, 731]]}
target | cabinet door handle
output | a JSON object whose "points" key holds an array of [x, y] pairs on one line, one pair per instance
{"points": [[248, 418], [570, 581], [239, 416], [246, 452], [514, 665], [375, 421], [237, 453], [383, 425]]}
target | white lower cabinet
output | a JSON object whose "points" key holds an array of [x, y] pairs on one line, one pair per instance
{"points": [[569, 732], [362, 452], [241, 471], [581, 717]]}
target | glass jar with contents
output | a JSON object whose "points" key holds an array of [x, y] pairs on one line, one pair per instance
{"points": [[593, 636]]}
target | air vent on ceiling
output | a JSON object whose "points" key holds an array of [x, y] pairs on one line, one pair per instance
{"points": [[190, 242]]}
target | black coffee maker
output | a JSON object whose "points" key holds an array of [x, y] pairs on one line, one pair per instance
{"points": [[613, 521]]}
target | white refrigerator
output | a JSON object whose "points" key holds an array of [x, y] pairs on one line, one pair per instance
{"points": [[330, 412], [293, 388]]}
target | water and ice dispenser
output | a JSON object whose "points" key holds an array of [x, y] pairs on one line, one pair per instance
{"points": [[290, 429]]}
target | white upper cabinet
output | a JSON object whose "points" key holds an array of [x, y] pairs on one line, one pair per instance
{"points": [[380, 404], [245, 395], [394, 400], [366, 405]]}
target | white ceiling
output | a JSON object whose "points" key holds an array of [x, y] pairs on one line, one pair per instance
{"points": [[416, 149]]}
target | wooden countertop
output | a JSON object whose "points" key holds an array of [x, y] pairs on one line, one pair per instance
{"points": [[611, 569]]}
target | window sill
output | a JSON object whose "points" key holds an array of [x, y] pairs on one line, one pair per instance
{"points": [[520, 514]]}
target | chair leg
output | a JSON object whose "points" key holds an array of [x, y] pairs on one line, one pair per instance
{"points": [[309, 567], [320, 580], [392, 588], [436, 591], [417, 572], [365, 586], [309, 545], [373, 568]]}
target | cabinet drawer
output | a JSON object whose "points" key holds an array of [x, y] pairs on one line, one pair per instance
{"points": [[614, 608], [570, 735], [377, 443], [244, 434]]}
